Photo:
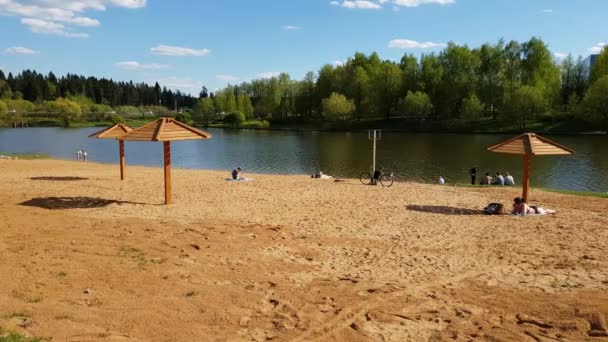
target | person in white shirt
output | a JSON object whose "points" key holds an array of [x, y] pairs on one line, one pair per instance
{"points": [[499, 180], [441, 180], [509, 181]]}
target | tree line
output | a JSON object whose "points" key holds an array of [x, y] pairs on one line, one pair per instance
{"points": [[509, 82]]}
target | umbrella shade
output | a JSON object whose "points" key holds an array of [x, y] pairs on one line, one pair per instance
{"points": [[528, 145], [166, 130], [115, 132]]}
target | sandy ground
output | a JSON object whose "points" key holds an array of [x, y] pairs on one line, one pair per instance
{"points": [[86, 257]]}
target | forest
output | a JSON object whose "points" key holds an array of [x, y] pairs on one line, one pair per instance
{"points": [[499, 86]]}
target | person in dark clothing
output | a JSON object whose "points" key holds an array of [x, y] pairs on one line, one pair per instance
{"points": [[376, 177], [236, 173], [473, 173]]}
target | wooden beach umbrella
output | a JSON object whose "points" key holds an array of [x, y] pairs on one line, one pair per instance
{"points": [[115, 132], [528, 145], [166, 130]]}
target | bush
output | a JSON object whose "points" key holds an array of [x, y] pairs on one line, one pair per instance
{"points": [[3, 108], [337, 107], [472, 108], [184, 118], [115, 118], [416, 103], [235, 119], [128, 111]]}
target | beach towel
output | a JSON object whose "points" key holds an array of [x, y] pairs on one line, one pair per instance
{"points": [[239, 180]]}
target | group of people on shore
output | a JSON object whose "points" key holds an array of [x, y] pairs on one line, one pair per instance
{"points": [[499, 179], [82, 155]]}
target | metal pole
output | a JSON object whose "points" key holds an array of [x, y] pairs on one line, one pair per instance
{"points": [[374, 159]]}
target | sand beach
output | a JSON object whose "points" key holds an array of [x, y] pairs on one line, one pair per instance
{"points": [[86, 257]]}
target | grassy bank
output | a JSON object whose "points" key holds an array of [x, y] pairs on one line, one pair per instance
{"points": [[565, 192], [26, 156]]}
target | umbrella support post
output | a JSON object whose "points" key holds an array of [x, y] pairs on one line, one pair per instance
{"points": [[526, 180], [121, 148], [167, 154]]}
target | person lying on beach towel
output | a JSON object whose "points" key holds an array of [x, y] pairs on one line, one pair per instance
{"points": [[321, 175], [522, 208]]}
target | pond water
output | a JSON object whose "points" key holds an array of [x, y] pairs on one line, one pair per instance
{"points": [[415, 157]]}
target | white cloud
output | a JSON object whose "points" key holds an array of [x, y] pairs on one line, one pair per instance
{"points": [[598, 48], [227, 78], [560, 55], [416, 3], [184, 84], [20, 50], [396, 4], [52, 28], [133, 65], [291, 28], [179, 51], [52, 16], [412, 44], [361, 4], [270, 74], [338, 63], [548, 11]]}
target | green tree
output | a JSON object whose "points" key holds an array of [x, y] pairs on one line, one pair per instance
{"points": [[415, 104], [360, 90], [337, 107], [204, 111], [472, 108], [387, 83], [600, 68], [595, 104], [527, 101]]}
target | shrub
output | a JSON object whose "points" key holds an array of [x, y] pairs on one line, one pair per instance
{"points": [[235, 119], [115, 118], [416, 103], [338, 107], [472, 108], [184, 118]]}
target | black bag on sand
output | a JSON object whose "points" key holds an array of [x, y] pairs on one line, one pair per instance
{"points": [[493, 209]]}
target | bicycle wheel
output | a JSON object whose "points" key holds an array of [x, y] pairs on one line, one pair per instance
{"points": [[366, 178], [386, 180]]}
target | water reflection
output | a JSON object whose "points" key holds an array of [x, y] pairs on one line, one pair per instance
{"points": [[419, 157]]}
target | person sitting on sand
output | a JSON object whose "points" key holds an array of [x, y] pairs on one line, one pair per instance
{"points": [[236, 173], [522, 208], [486, 180], [499, 180], [509, 181]]}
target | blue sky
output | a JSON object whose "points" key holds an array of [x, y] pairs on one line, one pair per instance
{"points": [[189, 43]]}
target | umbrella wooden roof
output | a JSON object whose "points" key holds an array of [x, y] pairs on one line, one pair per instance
{"points": [[113, 132], [166, 129], [531, 144]]}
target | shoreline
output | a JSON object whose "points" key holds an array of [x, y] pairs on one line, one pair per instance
{"points": [[33, 156]]}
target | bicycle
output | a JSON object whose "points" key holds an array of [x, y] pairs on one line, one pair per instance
{"points": [[386, 180]]}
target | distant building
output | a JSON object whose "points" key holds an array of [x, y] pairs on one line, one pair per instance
{"points": [[589, 62]]}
